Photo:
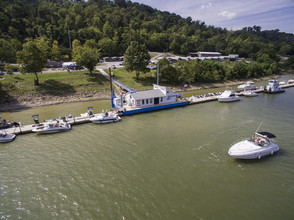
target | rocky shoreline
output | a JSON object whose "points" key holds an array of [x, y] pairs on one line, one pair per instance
{"points": [[28, 102]]}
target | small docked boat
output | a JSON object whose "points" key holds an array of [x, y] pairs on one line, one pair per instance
{"points": [[89, 113], [107, 117], [4, 137], [228, 96], [259, 145], [249, 85], [290, 81], [52, 127], [273, 87], [249, 93]]}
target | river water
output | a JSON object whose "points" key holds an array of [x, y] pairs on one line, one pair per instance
{"points": [[171, 164]]}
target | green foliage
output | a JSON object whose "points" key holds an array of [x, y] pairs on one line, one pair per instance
{"points": [[289, 64], [32, 58], [111, 26], [85, 55], [167, 73], [7, 52], [114, 24], [213, 71], [57, 83], [8, 68], [137, 58]]}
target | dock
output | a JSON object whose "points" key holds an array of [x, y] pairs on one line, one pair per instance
{"points": [[28, 128], [195, 100], [25, 129]]}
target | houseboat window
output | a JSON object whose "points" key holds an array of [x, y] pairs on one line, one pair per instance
{"points": [[147, 101], [143, 102], [150, 101], [161, 99]]}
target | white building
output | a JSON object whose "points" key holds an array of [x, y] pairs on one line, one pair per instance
{"points": [[159, 95], [206, 54]]}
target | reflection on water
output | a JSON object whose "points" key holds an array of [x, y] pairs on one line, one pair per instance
{"points": [[169, 164]]}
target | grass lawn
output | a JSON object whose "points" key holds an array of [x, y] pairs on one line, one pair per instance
{"points": [[57, 83], [145, 81]]}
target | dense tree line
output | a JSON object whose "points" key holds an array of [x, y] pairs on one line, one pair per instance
{"points": [[111, 26], [210, 71]]}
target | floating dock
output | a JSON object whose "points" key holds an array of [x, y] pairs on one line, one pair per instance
{"points": [[81, 120], [28, 128]]}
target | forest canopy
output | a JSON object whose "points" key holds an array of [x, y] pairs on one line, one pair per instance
{"points": [[111, 26]]}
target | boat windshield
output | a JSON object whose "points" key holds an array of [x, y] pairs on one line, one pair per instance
{"points": [[259, 140]]}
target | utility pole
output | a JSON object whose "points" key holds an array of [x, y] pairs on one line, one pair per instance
{"points": [[110, 80]]}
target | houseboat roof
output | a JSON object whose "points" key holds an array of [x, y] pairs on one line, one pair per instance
{"points": [[147, 94]]}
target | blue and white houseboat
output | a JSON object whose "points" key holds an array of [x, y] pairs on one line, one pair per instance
{"points": [[158, 98]]}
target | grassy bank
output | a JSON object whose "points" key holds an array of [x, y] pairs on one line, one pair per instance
{"points": [[19, 91], [52, 84], [145, 81]]}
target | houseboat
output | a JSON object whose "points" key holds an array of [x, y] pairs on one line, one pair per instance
{"points": [[158, 98]]}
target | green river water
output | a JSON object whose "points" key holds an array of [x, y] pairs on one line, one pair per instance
{"points": [[170, 164]]}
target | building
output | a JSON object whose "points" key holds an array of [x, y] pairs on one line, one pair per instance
{"points": [[159, 95], [205, 54]]}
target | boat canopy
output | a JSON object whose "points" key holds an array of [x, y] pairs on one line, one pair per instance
{"points": [[265, 133]]}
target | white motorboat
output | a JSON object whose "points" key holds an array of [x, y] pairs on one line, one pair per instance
{"points": [[228, 96], [4, 137], [290, 81], [248, 85], [249, 93], [282, 83], [259, 145], [89, 113], [273, 87], [52, 127], [103, 118]]}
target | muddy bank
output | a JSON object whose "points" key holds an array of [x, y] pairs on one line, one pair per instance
{"points": [[29, 102]]}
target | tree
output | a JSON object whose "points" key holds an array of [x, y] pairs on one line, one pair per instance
{"points": [[85, 55], [8, 68], [32, 59], [55, 51], [137, 58], [7, 53], [168, 73]]}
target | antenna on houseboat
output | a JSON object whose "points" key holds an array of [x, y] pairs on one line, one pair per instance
{"points": [[157, 73]]}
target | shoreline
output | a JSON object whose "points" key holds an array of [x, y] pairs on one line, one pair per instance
{"points": [[24, 102]]}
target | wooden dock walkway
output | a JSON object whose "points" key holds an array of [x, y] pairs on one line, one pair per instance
{"points": [[195, 100]]}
